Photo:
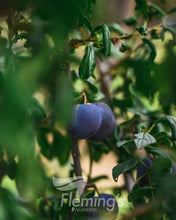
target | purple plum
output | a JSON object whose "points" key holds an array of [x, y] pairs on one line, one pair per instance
{"points": [[86, 121], [107, 123], [144, 181]]}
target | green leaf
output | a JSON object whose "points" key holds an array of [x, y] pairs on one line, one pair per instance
{"points": [[87, 66], [172, 123], [43, 141], [106, 38], [123, 167], [156, 10], [140, 192], [97, 178], [141, 6], [151, 47], [88, 24], [36, 110], [116, 28], [131, 21], [156, 151], [92, 87], [53, 144], [142, 30], [91, 5], [172, 10], [143, 139], [167, 185], [161, 167], [124, 47], [11, 168], [144, 82], [98, 149], [122, 143], [61, 147]]}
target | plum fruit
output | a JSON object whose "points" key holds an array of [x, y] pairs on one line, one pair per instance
{"points": [[144, 181], [173, 169], [105, 207], [86, 121], [107, 123]]}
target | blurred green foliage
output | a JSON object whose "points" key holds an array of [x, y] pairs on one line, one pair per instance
{"points": [[51, 57]]}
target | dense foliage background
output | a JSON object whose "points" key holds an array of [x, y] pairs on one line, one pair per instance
{"points": [[55, 53]]}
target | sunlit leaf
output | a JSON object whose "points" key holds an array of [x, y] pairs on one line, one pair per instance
{"points": [[143, 139]]}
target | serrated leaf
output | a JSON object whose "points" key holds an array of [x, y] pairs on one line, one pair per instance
{"points": [[172, 123], [123, 167], [143, 139], [87, 66], [106, 38], [140, 192], [158, 152]]}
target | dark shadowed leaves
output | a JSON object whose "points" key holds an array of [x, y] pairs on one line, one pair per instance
{"points": [[140, 192], [157, 151], [53, 144], [36, 111], [106, 38], [171, 121], [87, 66], [124, 167]]}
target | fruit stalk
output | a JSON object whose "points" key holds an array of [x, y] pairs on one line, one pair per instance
{"points": [[76, 157]]}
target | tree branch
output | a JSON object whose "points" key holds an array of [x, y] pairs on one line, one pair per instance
{"points": [[79, 42], [104, 83], [76, 157]]}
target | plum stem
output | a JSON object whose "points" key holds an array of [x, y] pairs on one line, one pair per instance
{"points": [[85, 98], [91, 185]]}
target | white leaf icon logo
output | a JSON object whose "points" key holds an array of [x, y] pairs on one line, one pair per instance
{"points": [[67, 184]]}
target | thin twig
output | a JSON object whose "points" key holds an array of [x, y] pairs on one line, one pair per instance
{"points": [[91, 185], [79, 42], [104, 84]]}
